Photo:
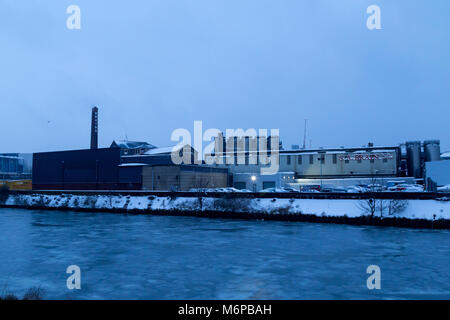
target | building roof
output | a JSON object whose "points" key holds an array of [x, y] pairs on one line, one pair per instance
{"points": [[163, 150], [446, 155], [133, 164], [126, 144], [339, 150]]}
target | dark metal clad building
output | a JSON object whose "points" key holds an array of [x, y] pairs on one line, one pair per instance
{"points": [[77, 169], [106, 169]]}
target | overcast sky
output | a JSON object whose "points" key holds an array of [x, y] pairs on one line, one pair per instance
{"points": [[155, 66]]}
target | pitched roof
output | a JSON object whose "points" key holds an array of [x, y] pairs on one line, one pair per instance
{"points": [[166, 150], [125, 144]]}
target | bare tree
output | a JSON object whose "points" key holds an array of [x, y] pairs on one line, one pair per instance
{"points": [[382, 206], [371, 205], [200, 186], [397, 206], [368, 206]]}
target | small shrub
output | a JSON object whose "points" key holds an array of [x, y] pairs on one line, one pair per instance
{"points": [[4, 193], [9, 296], [34, 293]]}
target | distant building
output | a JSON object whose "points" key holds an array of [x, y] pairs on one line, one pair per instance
{"points": [[15, 165], [445, 155], [163, 155], [438, 172]]}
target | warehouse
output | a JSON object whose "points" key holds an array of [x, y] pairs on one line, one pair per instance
{"points": [[175, 177], [87, 169], [107, 169]]}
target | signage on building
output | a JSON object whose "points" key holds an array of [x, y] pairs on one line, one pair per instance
{"points": [[366, 156]]}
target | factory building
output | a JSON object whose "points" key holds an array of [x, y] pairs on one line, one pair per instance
{"points": [[341, 163], [107, 169], [125, 165], [181, 177], [164, 155], [236, 161], [297, 166]]}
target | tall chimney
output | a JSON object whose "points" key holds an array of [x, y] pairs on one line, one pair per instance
{"points": [[94, 128]]}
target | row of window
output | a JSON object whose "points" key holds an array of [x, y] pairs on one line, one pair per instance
{"points": [[321, 158]]}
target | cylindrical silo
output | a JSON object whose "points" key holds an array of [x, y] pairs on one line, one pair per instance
{"points": [[413, 158], [432, 150]]}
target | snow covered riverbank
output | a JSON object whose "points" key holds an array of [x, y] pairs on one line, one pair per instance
{"points": [[327, 210]]}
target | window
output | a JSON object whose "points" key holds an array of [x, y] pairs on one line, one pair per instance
{"points": [[334, 158], [385, 160], [288, 160], [299, 159], [268, 184], [311, 159], [347, 161], [240, 185]]}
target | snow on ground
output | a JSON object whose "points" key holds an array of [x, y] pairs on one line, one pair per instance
{"points": [[415, 209]]}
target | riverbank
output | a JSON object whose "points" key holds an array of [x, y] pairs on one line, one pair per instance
{"points": [[380, 212]]}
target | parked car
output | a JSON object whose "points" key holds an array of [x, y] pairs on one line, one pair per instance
{"points": [[356, 189], [273, 190], [445, 188], [374, 187], [290, 189], [407, 188], [310, 188]]}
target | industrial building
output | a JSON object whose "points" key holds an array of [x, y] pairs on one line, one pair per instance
{"points": [[15, 165], [138, 165], [333, 166], [107, 169], [125, 165]]}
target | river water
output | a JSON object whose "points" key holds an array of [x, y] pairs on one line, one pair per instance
{"points": [[156, 257]]}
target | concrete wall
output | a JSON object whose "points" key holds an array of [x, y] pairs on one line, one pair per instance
{"points": [[279, 180], [340, 164], [182, 178], [334, 165]]}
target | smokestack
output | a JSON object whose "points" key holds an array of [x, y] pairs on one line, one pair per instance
{"points": [[94, 128]]}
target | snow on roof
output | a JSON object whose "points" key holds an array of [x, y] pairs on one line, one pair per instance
{"points": [[164, 150], [161, 150], [132, 164], [125, 144], [445, 154]]}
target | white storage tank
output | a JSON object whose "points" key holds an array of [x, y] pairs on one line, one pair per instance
{"points": [[413, 152], [432, 150]]}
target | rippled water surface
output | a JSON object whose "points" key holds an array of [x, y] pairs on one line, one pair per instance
{"points": [[154, 257]]}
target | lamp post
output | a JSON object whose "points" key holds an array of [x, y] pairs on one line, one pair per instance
{"points": [[253, 178], [321, 159]]}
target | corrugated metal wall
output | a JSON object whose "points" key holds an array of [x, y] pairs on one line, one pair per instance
{"points": [[77, 170]]}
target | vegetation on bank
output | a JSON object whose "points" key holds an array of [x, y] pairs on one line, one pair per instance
{"points": [[34, 293]]}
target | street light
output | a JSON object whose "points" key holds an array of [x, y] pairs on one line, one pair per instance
{"points": [[253, 178], [321, 159]]}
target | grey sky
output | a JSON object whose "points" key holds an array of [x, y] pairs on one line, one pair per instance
{"points": [[154, 66]]}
